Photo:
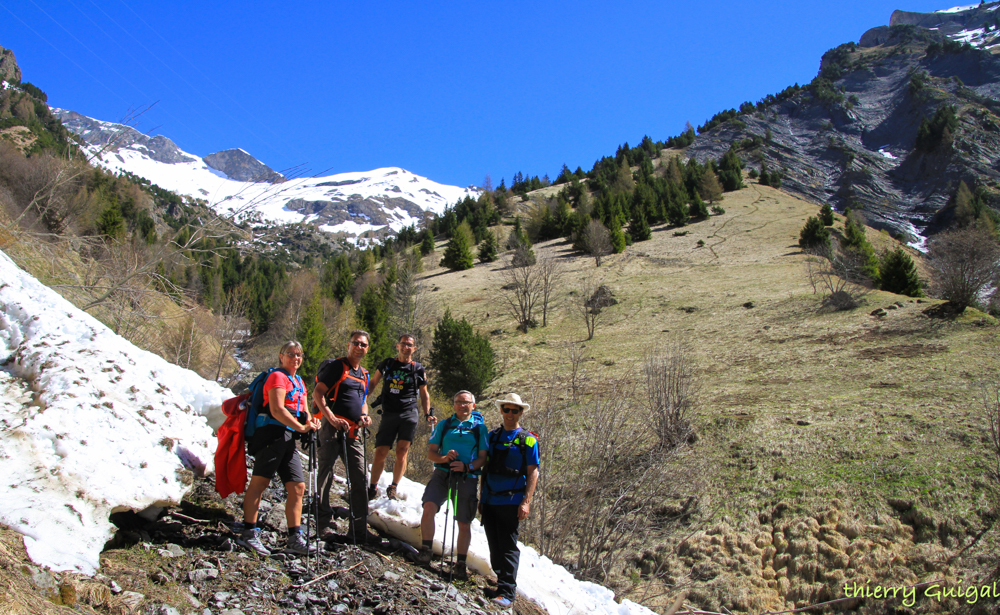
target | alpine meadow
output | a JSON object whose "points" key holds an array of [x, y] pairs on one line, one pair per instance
{"points": [[760, 358]]}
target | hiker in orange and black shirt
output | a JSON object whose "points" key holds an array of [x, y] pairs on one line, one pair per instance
{"points": [[340, 394], [273, 449]]}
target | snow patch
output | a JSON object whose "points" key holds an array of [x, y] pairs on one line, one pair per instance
{"points": [[538, 578], [90, 425], [958, 9]]}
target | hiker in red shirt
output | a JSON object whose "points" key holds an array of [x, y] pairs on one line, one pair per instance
{"points": [[273, 449]]}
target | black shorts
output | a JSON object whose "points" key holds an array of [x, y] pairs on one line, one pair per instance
{"points": [[278, 457], [401, 425]]}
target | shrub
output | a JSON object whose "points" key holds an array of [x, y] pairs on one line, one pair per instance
{"points": [[826, 214]]}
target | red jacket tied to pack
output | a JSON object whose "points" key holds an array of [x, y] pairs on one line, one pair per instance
{"points": [[230, 456]]}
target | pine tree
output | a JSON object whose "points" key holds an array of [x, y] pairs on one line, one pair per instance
{"points": [[898, 274], [709, 188], [814, 235], [345, 278], [311, 333], [373, 316], [856, 241], [826, 214], [427, 243], [638, 228], [697, 210], [462, 358], [457, 256], [618, 242], [489, 248]]}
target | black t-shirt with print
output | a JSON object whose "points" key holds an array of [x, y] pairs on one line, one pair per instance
{"points": [[401, 382]]}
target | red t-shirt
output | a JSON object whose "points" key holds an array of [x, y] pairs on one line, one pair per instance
{"points": [[295, 392]]}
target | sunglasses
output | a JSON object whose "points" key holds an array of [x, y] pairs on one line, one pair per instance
{"points": [[359, 344], [507, 410]]}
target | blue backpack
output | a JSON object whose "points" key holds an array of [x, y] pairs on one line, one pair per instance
{"points": [[256, 417]]}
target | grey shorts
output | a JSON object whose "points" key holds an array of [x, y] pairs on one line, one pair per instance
{"points": [[468, 494]]}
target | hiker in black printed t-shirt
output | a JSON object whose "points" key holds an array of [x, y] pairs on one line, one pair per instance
{"points": [[404, 383], [273, 449], [340, 394]]}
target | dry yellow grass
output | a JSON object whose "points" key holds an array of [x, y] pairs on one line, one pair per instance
{"points": [[800, 408]]}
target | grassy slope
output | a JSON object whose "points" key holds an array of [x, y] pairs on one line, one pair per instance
{"points": [[800, 411]]}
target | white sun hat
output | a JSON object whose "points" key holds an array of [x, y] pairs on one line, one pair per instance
{"points": [[512, 399]]}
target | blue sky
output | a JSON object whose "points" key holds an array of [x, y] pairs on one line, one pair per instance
{"points": [[449, 90]]}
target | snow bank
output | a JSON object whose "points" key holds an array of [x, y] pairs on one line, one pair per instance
{"points": [[550, 585], [104, 426]]}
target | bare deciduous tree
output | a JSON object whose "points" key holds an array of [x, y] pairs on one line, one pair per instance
{"points": [[522, 289], [840, 275], [670, 390], [965, 264], [596, 241], [231, 327], [549, 273], [991, 411], [407, 308], [609, 483], [592, 300]]}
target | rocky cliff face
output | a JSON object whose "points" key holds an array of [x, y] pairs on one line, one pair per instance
{"points": [[241, 166], [96, 132], [849, 138], [9, 70]]}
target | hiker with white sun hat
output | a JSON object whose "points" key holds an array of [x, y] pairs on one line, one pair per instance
{"points": [[507, 487]]}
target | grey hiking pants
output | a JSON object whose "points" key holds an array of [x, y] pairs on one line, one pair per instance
{"points": [[328, 453]]}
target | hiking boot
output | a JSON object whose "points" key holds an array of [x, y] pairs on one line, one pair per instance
{"points": [[251, 540], [297, 544], [390, 492], [503, 602], [460, 572], [363, 537], [425, 555], [372, 492]]}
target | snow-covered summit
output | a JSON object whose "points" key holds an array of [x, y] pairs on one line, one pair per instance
{"points": [[89, 425], [347, 203]]}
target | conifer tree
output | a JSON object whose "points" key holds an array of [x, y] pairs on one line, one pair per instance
{"points": [[856, 240], [697, 210], [618, 242], [373, 316], [461, 358], [489, 248], [311, 333], [709, 188], [826, 214], [345, 278], [427, 243], [898, 274], [638, 228], [814, 235], [457, 256]]}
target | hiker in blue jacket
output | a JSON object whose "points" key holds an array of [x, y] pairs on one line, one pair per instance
{"points": [[508, 484], [463, 436]]}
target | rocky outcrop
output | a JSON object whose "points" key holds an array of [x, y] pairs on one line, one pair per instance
{"points": [[102, 134], [241, 166], [854, 144], [9, 70], [362, 210]]}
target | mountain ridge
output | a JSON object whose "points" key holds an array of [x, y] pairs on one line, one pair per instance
{"points": [[373, 204], [850, 136]]}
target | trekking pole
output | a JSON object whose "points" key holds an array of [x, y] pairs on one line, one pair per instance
{"points": [[454, 519], [350, 492], [311, 516], [447, 502], [364, 445]]}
